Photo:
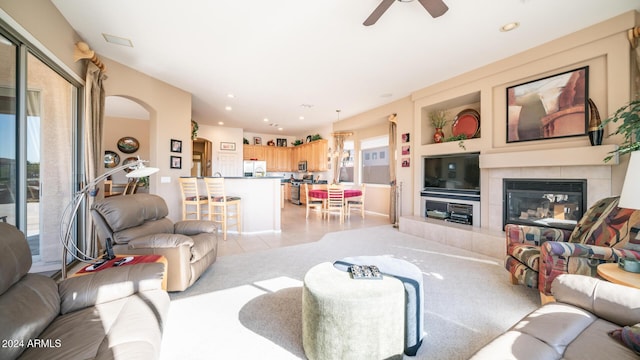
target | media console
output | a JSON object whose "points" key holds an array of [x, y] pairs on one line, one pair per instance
{"points": [[462, 207]]}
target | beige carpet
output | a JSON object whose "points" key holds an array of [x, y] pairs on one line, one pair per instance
{"points": [[248, 306]]}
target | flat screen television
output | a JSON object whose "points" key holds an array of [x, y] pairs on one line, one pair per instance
{"points": [[458, 173]]}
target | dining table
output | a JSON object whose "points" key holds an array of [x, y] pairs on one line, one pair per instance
{"points": [[323, 194]]}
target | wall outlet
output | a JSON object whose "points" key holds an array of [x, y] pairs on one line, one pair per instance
{"points": [[165, 179]]}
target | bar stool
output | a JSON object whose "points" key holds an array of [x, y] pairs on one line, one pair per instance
{"points": [[219, 204], [191, 197]]}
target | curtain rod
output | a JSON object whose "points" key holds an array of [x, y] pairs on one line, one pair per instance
{"points": [[82, 51]]}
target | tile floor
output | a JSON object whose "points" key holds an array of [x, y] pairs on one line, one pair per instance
{"points": [[295, 230]]}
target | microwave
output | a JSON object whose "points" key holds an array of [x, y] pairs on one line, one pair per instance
{"points": [[302, 166]]}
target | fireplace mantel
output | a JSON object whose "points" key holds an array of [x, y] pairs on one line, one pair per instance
{"points": [[575, 156]]}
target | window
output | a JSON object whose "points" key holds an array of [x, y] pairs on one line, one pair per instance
{"points": [[375, 161], [37, 132], [347, 164]]}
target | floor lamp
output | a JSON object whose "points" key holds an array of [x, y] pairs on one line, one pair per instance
{"points": [[71, 211]]}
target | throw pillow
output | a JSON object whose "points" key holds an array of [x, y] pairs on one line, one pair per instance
{"points": [[629, 336]]}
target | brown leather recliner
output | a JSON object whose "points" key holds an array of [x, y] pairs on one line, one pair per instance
{"points": [[138, 224], [116, 313]]}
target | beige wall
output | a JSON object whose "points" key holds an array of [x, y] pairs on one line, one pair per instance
{"points": [[375, 123], [168, 106], [116, 128], [169, 118], [603, 47]]}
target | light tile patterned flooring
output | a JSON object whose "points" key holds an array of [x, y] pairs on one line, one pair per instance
{"points": [[295, 230]]}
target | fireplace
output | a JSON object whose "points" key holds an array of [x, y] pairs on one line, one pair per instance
{"points": [[557, 203]]}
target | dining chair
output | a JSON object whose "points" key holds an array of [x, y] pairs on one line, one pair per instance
{"points": [[131, 187], [313, 203], [356, 203], [108, 187], [222, 208], [335, 201], [191, 197]]}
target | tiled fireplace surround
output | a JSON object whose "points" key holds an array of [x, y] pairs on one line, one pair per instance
{"points": [[489, 239]]}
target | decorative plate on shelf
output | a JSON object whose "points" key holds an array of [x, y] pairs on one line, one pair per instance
{"points": [[128, 145], [111, 159], [308, 138], [467, 122], [129, 160]]}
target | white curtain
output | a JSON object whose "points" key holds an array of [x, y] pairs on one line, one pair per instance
{"points": [[393, 216], [94, 159], [338, 142]]}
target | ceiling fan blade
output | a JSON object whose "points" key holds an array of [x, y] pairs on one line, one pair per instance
{"points": [[375, 15], [434, 7]]}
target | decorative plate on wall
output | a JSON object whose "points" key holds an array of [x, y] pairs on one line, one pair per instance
{"points": [[467, 122], [128, 145], [129, 160], [111, 159]]}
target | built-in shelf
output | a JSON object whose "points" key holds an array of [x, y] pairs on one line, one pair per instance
{"points": [[452, 107], [574, 156]]}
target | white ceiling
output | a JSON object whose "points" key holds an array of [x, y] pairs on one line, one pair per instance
{"points": [[278, 56]]}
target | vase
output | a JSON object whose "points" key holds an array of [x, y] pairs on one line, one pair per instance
{"points": [[595, 130], [438, 136]]}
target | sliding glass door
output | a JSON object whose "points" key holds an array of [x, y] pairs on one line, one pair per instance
{"points": [[38, 109], [50, 103], [8, 130]]}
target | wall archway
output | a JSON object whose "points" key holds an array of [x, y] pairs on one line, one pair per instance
{"points": [[126, 118]]}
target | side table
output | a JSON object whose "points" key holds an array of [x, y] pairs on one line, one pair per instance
{"points": [[137, 259], [613, 273]]}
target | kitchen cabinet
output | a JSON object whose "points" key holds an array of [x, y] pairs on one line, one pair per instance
{"points": [[318, 153], [254, 152], [278, 158], [287, 158], [314, 153]]}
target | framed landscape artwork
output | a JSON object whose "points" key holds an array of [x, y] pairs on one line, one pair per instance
{"points": [[227, 146], [550, 107]]}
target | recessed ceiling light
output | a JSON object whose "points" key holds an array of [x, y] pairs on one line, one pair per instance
{"points": [[265, 120], [510, 26], [117, 40], [220, 122], [280, 129], [228, 108], [301, 118], [230, 96]]}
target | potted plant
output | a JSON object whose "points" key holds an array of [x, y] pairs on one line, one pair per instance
{"points": [[438, 121], [629, 129]]}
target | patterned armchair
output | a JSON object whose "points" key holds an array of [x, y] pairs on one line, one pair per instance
{"points": [[537, 255]]}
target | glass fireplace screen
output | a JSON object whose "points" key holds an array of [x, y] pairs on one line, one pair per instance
{"points": [[541, 202]]}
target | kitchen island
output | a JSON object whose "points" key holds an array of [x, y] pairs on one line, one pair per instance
{"points": [[260, 204]]}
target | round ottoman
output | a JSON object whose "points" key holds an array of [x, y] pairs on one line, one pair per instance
{"points": [[411, 277], [343, 318]]}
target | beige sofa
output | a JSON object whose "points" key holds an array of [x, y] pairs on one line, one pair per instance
{"points": [[112, 314], [138, 224], [576, 326]]}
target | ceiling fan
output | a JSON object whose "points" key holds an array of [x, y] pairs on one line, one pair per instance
{"points": [[434, 7]]}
